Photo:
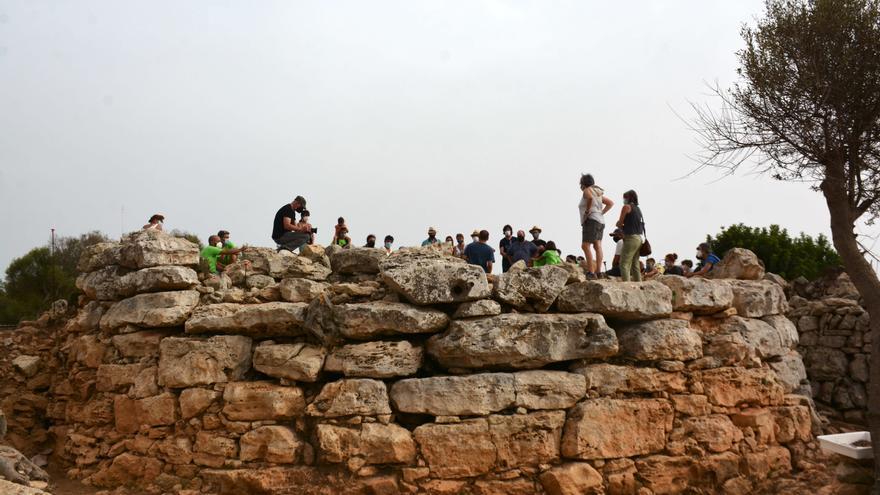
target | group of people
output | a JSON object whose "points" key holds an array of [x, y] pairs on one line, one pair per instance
{"points": [[290, 233]]}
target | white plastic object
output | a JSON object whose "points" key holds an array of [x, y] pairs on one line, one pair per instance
{"points": [[842, 443]]}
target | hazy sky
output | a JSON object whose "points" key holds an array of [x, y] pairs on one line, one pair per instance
{"points": [[395, 114]]}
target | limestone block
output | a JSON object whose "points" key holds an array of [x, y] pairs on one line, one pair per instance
{"points": [[618, 300], [611, 428], [368, 320], [698, 295], [430, 279], [351, 397], [298, 362], [153, 310], [255, 401], [378, 359], [531, 289], [257, 320], [660, 340], [186, 362]]}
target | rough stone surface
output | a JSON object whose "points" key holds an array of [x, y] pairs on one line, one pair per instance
{"points": [[457, 450], [729, 387], [98, 256], [147, 248], [27, 365], [483, 307], [434, 280], [522, 341], [764, 340], [277, 444], [194, 401], [758, 298], [618, 300], [357, 260], [544, 389], [356, 396], [267, 319], [698, 295], [630, 427], [112, 283], [154, 310], [740, 264], [132, 414], [791, 372], [255, 401], [526, 439], [531, 289], [608, 379], [301, 290], [298, 362], [285, 264], [372, 319], [376, 359], [375, 443], [660, 340], [466, 395], [187, 362], [574, 478]]}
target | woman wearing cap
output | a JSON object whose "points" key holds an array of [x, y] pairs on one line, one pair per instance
{"points": [[155, 222], [633, 229]]}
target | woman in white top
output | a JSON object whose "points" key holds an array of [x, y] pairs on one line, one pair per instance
{"points": [[155, 222], [593, 207]]}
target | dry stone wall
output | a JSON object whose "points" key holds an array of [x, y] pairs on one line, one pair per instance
{"points": [[351, 372]]}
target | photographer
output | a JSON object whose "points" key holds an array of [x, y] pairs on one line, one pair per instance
{"points": [[286, 231]]}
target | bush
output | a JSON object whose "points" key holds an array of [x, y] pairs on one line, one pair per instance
{"points": [[789, 257]]}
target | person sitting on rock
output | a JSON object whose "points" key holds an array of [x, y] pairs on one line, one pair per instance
{"points": [[388, 244], [651, 268], [212, 253], [155, 222], [341, 238], [520, 249], [371, 241], [617, 236], [286, 232], [480, 253], [536, 236], [458, 249], [707, 258], [687, 266], [571, 259], [227, 259], [671, 267], [432, 237], [547, 255]]}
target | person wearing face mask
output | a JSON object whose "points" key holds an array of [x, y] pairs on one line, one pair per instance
{"points": [[503, 246], [342, 239], [651, 268], [633, 226], [536, 236], [226, 259], [371, 241], [687, 268], [211, 254], [671, 267], [388, 245], [707, 258], [521, 249], [432, 237], [480, 253], [458, 248], [286, 231]]}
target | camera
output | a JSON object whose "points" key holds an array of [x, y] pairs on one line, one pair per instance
{"points": [[314, 230]]}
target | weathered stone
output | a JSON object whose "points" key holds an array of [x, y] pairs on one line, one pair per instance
{"points": [[573, 478], [758, 298], [112, 377], [522, 341], [543, 389], [131, 414], [763, 464], [300, 290], [516, 486], [351, 397], [434, 279], [376, 359], [145, 384], [825, 363], [357, 260], [277, 444], [628, 428], [98, 256], [27, 365], [187, 362], [730, 387], [691, 405], [147, 248], [255, 401], [153, 310], [194, 401], [618, 300], [298, 362], [531, 289], [790, 371], [608, 379], [716, 432], [473, 309], [466, 395], [859, 368], [138, 344], [763, 340], [285, 264], [526, 439], [10, 488], [457, 450], [375, 443], [665, 475], [698, 295], [88, 351], [787, 330], [212, 450], [112, 283], [740, 264], [126, 469], [660, 340], [792, 423], [267, 319], [88, 318], [372, 319]]}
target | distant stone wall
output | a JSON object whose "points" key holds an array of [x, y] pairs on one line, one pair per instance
{"points": [[347, 371], [835, 341]]}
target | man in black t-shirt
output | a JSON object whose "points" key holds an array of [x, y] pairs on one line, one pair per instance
{"points": [[286, 231]]}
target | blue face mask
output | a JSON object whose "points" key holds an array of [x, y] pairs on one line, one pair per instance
{"points": [[387, 245]]}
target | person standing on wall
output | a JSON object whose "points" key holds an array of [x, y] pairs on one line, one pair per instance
{"points": [[593, 207], [633, 226], [288, 233], [502, 247]]}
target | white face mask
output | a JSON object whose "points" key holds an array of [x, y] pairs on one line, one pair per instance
{"points": [[218, 244], [305, 219], [475, 238]]}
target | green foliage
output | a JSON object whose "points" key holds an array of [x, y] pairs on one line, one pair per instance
{"points": [[790, 257], [40, 277]]}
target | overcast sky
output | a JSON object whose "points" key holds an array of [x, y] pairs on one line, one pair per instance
{"points": [[396, 115]]}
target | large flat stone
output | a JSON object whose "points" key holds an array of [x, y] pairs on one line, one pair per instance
{"points": [[730, 387], [257, 320], [351, 397], [458, 450], [531, 289], [284, 264], [298, 362], [154, 310], [256, 401], [612, 428], [660, 340], [434, 279], [357, 260], [278, 444], [526, 439], [368, 320], [764, 341], [522, 341], [466, 395], [187, 362], [608, 379], [618, 300], [698, 295], [131, 414], [545, 389], [377, 359], [147, 248], [375, 443], [758, 298]]}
